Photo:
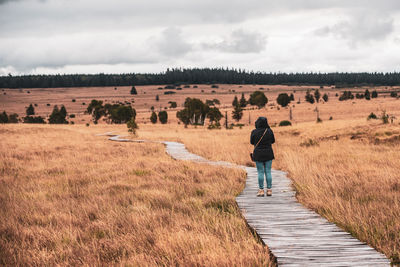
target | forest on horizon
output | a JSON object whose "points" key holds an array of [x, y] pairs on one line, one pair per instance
{"points": [[202, 76]]}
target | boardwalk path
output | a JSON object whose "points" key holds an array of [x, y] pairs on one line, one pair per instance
{"points": [[295, 235]]}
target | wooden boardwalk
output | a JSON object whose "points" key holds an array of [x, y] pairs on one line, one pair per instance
{"points": [[295, 235]]}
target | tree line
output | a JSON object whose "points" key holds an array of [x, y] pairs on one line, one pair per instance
{"points": [[202, 76]]}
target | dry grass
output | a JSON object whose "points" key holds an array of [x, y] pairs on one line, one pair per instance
{"points": [[16, 100], [347, 171], [68, 197]]}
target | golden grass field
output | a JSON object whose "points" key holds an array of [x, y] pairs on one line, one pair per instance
{"points": [[69, 197]]}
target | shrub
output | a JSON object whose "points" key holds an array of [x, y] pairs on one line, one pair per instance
{"points": [[3, 117], [169, 87], [285, 123], [179, 88], [153, 117], [319, 120], [385, 117], [283, 99], [158, 98], [214, 86], [374, 94], [213, 92], [83, 103], [186, 86], [309, 97], [346, 95], [73, 100], [317, 95], [163, 117], [309, 142], [48, 104], [132, 125], [393, 94], [166, 93], [195, 86], [367, 95], [258, 99], [33, 119], [325, 97], [72, 116], [172, 104], [372, 116]]}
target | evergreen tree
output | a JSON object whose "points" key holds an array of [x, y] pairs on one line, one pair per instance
{"points": [[163, 116], [153, 117], [30, 110], [325, 97], [317, 95], [3, 117], [157, 98], [133, 91], [374, 94], [237, 113], [235, 102], [132, 125], [58, 116], [367, 95], [243, 101], [291, 97]]}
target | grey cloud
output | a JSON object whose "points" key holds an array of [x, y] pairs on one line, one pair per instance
{"points": [[171, 43], [240, 41], [361, 27]]}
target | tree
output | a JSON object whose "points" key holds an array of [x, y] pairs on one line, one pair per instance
{"points": [[237, 113], [214, 115], [196, 110], [258, 99], [153, 117], [133, 91], [30, 110], [58, 116], [3, 117], [283, 99], [132, 125], [119, 113], [317, 95], [235, 102], [374, 94], [367, 95], [325, 97], [163, 116], [309, 97], [96, 109], [184, 116], [243, 101], [291, 97], [157, 98], [216, 101]]}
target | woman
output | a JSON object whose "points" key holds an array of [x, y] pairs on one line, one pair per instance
{"points": [[262, 138]]}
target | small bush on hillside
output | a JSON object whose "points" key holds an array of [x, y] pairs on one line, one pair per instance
{"points": [[167, 93], [163, 117], [393, 94], [153, 117], [72, 116], [33, 119], [214, 86], [169, 87], [372, 116], [132, 125], [285, 123], [73, 100]]}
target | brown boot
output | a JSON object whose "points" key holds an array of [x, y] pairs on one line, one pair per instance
{"points": [[269, 192], [260, 193]]}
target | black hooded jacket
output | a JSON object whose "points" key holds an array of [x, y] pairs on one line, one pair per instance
{"points": [[263, 152]]}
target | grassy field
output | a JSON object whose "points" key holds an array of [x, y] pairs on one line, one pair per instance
{"points": [[347, 171], [70, 197], [16, 101]]}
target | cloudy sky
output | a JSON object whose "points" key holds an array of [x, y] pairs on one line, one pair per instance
{"points": [[92, 36]]}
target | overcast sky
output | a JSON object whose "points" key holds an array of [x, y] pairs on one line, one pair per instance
{"points": [[119, 36]]}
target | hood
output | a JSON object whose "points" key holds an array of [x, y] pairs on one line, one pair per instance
{"points": [[262, 123]]}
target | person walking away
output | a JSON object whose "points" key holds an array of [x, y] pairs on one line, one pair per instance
{"points": [[262, 137]]}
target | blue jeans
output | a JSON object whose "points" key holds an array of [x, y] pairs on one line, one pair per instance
{"points": [[264, 167]]}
